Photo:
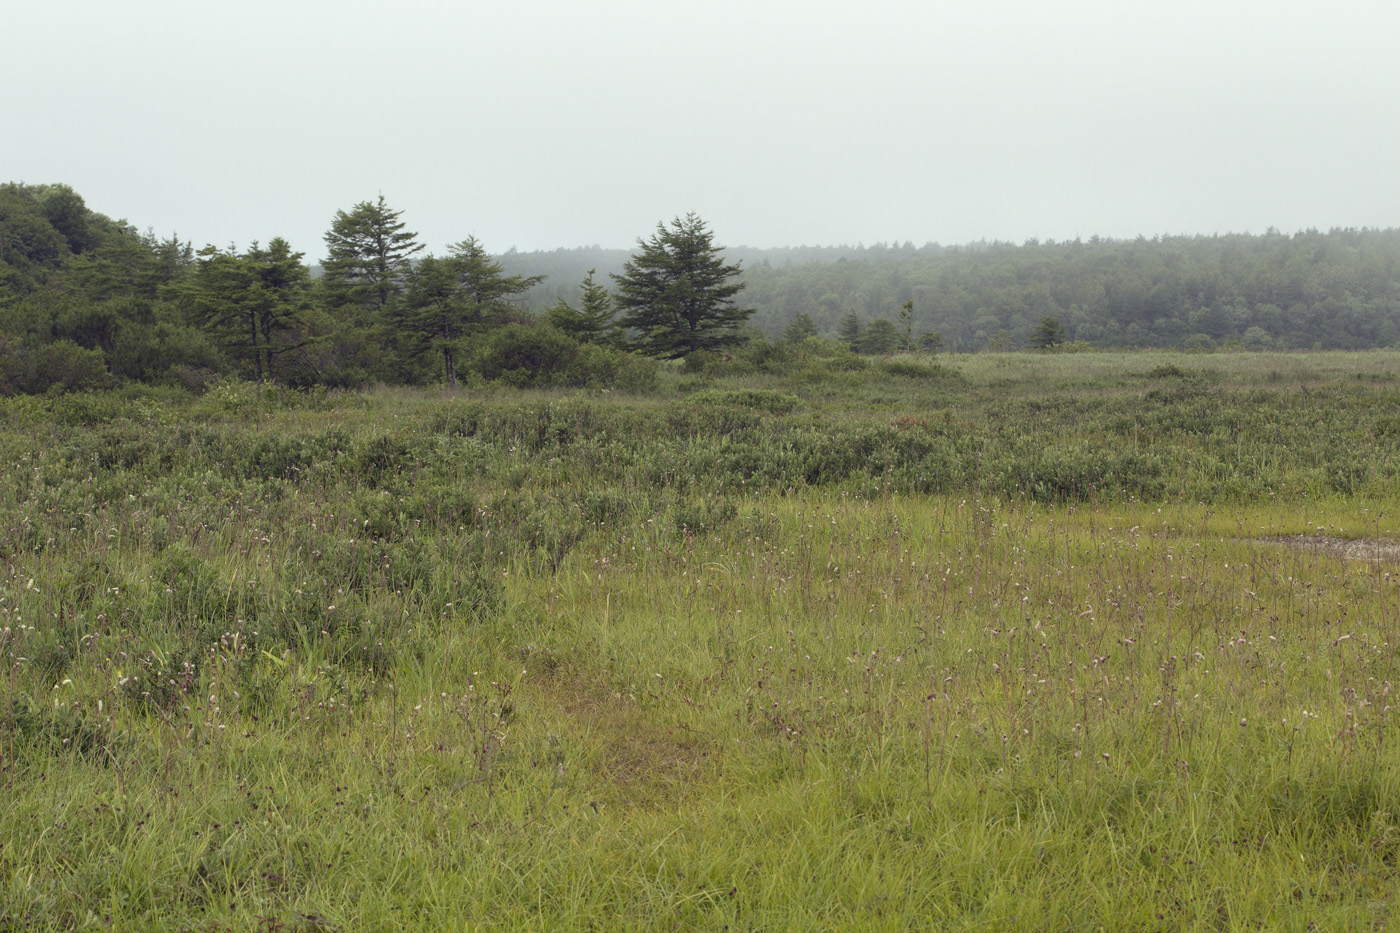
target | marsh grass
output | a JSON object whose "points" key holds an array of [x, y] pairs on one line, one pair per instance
{"points": [[1021, 649]]}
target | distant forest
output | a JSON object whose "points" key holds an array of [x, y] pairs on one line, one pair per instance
{"points": [[88, 301], [1333, 290]]}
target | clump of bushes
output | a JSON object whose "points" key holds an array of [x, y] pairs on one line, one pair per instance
{"points": [[776, 403], [913, 367], [61, 366], [539, 357]]}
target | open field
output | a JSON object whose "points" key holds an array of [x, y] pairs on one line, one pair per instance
{"points": [[1017, 642]]}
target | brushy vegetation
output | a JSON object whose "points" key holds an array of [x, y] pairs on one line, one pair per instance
{"points": [[1014, 642]]}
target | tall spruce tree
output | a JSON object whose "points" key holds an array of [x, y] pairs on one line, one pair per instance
{"points": [[368, 256], [677, 293]]}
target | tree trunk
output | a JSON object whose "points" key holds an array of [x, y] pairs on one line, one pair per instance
{"points": [[450, 365], [257, 355]]}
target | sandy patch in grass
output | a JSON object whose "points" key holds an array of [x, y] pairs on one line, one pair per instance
{"points": [[1371, 550]]}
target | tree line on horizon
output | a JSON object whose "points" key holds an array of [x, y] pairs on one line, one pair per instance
{"points": [[88, 301], [1333, 290]]}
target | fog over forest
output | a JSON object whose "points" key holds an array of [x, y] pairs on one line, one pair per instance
{"points": [[1336, 290]]}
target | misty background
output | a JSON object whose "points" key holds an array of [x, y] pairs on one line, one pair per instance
{"points": [[542, 125]]}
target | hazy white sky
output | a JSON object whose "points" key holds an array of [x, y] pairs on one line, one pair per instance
{"points": [[544, 123]]}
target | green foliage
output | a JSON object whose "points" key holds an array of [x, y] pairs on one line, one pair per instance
{"points": [[252, 302], [852, 330], [880, 337], [677, 293], [59, 732], [369, 254], [523, 356], [68, 214], [453, 300], [930, 341], [596, 367], [1002, 341], [146, 310], [593, 321], [1010, 616], [59, 366], [28, 241], [701, 361], [914, 367], [534, 356], [65, 365], [776, 403], [60, 337], [1335, 288], [128, 266], [800, 329], [1048, 334]]}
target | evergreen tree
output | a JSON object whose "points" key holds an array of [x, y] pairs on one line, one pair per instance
{"points": [[252, 302], [431, 315], [801, 327], [452, 300], [931, 341], [592, 321], [1048, 333], [368, 256], [881, 337], [906, 326], [851, 330], [678, 294]]}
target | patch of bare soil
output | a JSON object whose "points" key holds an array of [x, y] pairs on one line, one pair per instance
{"points": [[1371, 550]]}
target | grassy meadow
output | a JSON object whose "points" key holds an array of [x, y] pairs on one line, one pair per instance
{"points": [[1007, 642]]}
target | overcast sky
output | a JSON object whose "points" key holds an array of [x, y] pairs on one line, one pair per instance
{"points": [[543, 123]]}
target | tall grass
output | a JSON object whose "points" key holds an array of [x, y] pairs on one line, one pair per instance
{"points": [[1032, 647]]}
